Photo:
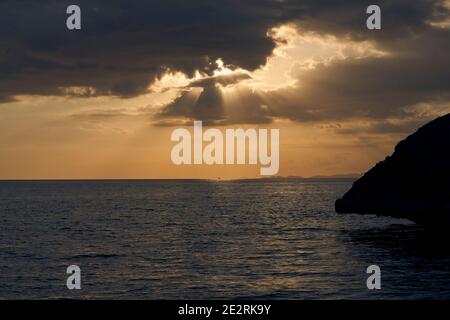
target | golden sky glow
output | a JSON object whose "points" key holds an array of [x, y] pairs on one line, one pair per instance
{"points": [[68, 137]]}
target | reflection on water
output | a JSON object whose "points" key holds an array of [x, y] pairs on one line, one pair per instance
{"points": [[208, 239]]}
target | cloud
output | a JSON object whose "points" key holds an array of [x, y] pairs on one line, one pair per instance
{"points": [[224, 80], [372, 87], [125, 45], [204, 99]]}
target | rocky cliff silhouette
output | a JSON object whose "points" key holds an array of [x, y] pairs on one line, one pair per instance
{"points": [[412, 183]]}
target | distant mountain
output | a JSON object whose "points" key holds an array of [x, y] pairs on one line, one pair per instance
{"points": [[350, 176], [339, 176], [412, 183]]}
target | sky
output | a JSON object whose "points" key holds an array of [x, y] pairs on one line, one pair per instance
{"points": [[102, 102]]}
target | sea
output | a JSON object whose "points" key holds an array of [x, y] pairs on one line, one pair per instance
{"points": [[209, 239]]}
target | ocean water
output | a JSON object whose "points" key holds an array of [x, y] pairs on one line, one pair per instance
{"points": [[255, 239]]}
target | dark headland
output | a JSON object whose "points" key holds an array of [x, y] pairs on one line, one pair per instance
{"points": [[412, 183]]}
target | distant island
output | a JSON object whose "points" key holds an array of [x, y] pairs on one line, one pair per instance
{"points": [[412, 183], [349, 176]]}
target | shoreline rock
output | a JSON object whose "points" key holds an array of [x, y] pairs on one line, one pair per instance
{"points": [[413, 183]]}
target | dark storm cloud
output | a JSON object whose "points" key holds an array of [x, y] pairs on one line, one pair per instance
{"points": [[125, 45], [344, 18]]}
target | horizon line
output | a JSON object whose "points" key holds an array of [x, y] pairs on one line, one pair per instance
{"points": [[187, 179]]}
